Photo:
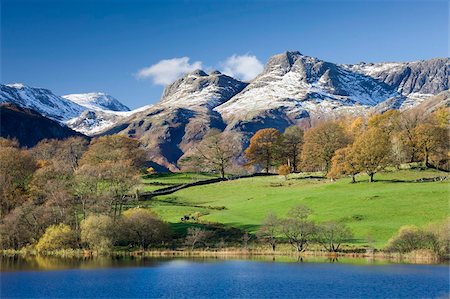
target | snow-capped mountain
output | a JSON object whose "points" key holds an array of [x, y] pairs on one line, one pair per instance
{"points": [[97, 101], [182, 117], [416, 80], [86, 113], [292, 89], [92, 121], [294, 86], [40, 100]]}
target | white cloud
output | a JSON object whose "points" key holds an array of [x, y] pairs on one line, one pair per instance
{"points": [[168, 70], [245, 67]]}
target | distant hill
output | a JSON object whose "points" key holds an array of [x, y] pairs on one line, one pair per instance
{"points": [[30, 127]]}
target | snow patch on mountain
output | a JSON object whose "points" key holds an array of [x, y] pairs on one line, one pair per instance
{"points": [[97, 100], [41, 100]]}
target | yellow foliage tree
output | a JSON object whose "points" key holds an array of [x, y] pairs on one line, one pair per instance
{"points": [[343, 163], [57, 237], [320, 143]]}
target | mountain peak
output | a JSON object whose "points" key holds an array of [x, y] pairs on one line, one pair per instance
{"points": [[199, 73], [96, 101]]}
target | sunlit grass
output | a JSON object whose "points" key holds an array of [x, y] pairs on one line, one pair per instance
{"points": [[374, 211]]}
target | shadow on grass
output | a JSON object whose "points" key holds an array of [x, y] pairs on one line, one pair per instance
{"points": [[221, 231]]}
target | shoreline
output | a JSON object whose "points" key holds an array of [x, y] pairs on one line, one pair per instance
{"points": [[418, 257]]}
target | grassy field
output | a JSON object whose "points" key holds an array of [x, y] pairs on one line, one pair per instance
{"points": [[374, 211], [154, 182]]}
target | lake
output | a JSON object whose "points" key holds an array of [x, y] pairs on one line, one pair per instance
{"points": [[216, 278]]}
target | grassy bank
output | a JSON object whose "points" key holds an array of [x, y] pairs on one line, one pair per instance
{"points": [[374, 211]]}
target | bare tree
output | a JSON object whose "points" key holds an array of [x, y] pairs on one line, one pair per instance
{"points": [[196, 235], [297, 228], [216, 151], [332, 234], [269, 230]]}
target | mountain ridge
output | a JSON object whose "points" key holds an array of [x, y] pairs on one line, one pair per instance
{"points": [[293, 89]]}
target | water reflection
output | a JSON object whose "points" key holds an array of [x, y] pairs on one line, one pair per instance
{"points": [[42, 263]]}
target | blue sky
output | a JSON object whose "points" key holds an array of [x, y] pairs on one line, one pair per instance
{"points": [[111, 46]]}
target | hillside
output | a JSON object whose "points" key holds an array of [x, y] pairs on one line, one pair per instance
{"points": [[372, 210], [29, 127]]}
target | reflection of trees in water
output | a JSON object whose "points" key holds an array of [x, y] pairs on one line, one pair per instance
{"points": [[17, 262]]}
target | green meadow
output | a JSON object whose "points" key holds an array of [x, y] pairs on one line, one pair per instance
{"points": [[374, 211]]}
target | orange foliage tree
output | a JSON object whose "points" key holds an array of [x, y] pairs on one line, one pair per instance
{"points": [[262, 148]]}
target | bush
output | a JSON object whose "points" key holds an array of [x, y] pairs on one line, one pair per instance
{"points": [[410, 238], [57, 237], [284, 170], [140, 227], [442, 233], [97, 232]]}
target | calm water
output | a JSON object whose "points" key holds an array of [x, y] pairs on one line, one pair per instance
{"points": [[209, 278]]}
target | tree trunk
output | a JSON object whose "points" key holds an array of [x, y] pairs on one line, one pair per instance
{"points": [[222, 171], [273, 247], [426, 157], [353, 179], [370, 177]]}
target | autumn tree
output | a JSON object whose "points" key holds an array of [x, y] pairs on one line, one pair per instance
{"points": [[407, 136], [64, 154], [320, 143], [51, 186], [216, 151], [387, 122], [262, 148], [109, 169], [432, 140], [354, 127], [59, 236], [114, 148], [371, 151], [284, 170], [16, 169], [290, 147], [269, 230], [343, 164], [97, 232]]}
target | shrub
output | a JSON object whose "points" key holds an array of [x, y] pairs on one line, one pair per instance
{"points": [[97, 232], [140, 227], [57, 237], [442, 233], [410, 238], [284, 170]]}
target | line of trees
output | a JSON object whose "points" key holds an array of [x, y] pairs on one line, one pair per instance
{"points": [[348, 146], [300, 231], [341, 147]]}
